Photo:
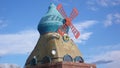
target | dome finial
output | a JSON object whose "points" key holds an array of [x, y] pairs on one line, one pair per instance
{"points": [[52, 5]]}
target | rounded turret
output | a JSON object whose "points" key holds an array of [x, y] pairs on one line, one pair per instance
{"points": [[51, 21]]}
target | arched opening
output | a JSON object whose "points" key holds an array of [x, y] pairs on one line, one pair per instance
{"points": [[33, 62], [46, 59], [67, 58], [78, 59]]}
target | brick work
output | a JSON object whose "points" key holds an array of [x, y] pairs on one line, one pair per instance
{"points": [[64, 65]]}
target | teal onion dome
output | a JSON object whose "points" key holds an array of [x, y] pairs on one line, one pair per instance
{"points": [[51, 21]]}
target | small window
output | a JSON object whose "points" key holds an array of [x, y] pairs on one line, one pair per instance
{"points": [[46, 59], [67, 58], [33, 61], [78, 59], [66, 38]]}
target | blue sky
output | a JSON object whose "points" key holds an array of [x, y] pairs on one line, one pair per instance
{"points": [[98, 22]]}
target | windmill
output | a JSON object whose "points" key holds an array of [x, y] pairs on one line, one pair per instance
{"points": [[53, 49], [68, 21]]}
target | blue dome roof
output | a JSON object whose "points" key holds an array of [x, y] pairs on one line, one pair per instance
{"points": [[51, 21]]}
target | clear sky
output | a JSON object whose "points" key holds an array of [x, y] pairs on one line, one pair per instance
{"points": [[98, 22]]}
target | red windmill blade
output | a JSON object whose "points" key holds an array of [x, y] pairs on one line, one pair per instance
{"points": [[63, 28], [61, 10], [75, 31], [74, 13]]}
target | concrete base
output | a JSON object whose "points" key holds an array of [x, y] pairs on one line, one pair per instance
{"points": [[64, 65]]}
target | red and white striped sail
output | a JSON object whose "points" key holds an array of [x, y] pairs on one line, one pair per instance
{"points": [[62, 29]]}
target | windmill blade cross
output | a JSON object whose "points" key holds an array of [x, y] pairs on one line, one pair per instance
{"points": [[62, 29]]}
